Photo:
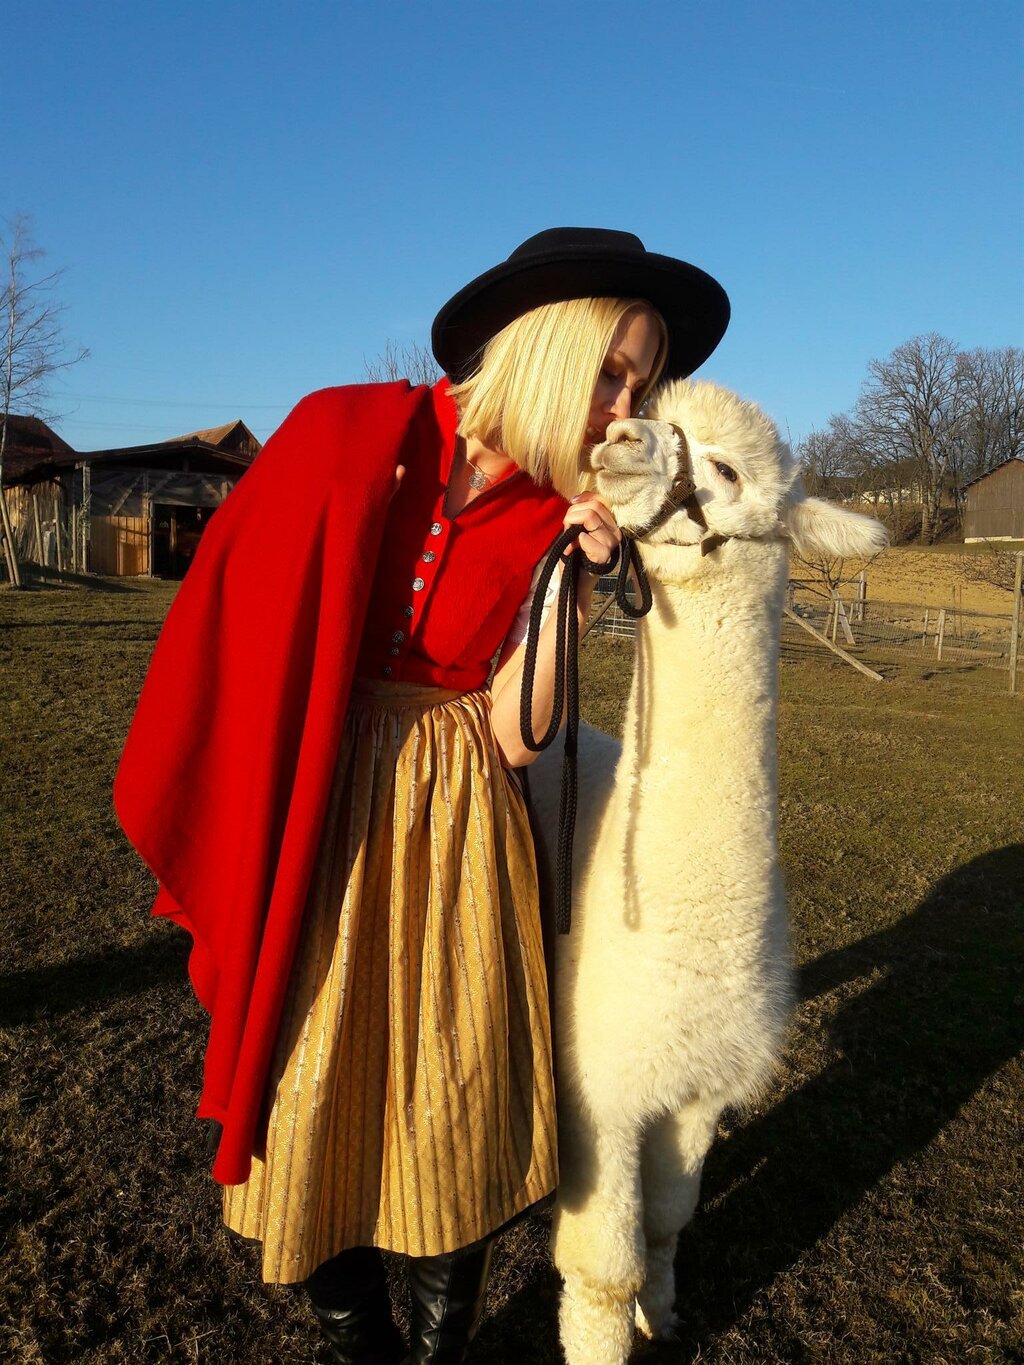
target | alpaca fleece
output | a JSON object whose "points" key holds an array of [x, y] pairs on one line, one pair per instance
{"points": [[673, 990]]}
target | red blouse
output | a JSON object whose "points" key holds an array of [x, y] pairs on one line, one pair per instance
{"points": [[447, 589]]}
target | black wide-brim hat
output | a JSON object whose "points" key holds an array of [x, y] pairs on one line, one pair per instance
{"points": [[576, 263]]}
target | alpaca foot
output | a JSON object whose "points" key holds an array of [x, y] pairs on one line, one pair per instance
{"points": [[595, 1327], [657, 1296], [661, 1328]]}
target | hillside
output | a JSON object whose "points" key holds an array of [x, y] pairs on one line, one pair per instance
{"points": [[933, 577]]}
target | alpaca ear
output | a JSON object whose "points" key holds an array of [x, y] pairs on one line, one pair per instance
{"points": [[819, 527]]}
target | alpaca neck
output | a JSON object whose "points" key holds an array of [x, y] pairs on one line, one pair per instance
{"points": [[703, 702]]}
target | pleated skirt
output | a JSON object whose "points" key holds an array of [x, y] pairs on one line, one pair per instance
{"points": [[412, 1099]]}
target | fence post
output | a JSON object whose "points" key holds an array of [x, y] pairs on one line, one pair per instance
{"points": [[840, 615], [940, 632], [862, 594], [38, 526], [1018, 578], [811, 630], [924, 632], [85, 519], [58, 530], [147, 512]]}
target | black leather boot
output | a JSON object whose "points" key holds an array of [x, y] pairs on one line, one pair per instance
{"points": [[349, 1295], [447, 1301]]}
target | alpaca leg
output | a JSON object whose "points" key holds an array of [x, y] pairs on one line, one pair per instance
{"points": [[597, 1244], [672, 1159]]}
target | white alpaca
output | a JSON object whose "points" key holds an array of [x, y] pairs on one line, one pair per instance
{"points": [[673, 989]]}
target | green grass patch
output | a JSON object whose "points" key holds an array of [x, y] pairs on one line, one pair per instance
{"points": [[869, 1209]]}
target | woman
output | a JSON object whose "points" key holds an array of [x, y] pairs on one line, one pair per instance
{"points": [[318, 776]]}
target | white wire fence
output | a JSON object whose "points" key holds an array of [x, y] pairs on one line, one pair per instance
{"points": [[888, 636], [950, 635], [605, 616]]}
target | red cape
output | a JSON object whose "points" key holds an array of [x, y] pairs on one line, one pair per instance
{"points": [[225, 775]]}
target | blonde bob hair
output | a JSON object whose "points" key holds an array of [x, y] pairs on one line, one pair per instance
{"points": [[532, 393]]}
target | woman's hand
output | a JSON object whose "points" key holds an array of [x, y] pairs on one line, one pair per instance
{"points": [[598, 539], [600, 534]]}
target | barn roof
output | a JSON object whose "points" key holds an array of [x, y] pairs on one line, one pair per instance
{"points": [[226, 436], [229, 448], [211, 435], [1012, 459], [30, 442]]}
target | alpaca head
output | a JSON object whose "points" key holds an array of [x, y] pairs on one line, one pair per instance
{"points": [[746, 482]]}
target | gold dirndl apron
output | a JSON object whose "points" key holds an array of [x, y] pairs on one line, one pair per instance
{"points": [[413, 1105]]}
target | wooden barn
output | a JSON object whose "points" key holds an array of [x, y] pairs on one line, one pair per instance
{"points": [[994, 505], [132, 510]]}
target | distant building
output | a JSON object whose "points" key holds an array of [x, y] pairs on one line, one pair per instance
{"points": [[994, 506], [132, 510], [29, 442]]}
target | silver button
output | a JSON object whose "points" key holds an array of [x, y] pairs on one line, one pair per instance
{"points": [[429, 557], [395, 650], [398, 637], [418, 585], [436, 528], [408, 610], [387, 670]]}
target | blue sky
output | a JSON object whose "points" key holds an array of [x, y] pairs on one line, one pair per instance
{"points": [[251, 200]]}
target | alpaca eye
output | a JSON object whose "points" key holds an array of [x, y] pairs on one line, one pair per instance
{"points": [[726, 471]]}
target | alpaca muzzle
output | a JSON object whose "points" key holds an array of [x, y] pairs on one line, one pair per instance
{"points": [[681, 497]]}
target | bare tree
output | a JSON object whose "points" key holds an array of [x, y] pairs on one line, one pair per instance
{"points": [[909, 406], [828, 573], [885, 472], [990, 425], [33, 348], [823, 462], [928, 420], [993, 566], [857, 461], [414, 363]]}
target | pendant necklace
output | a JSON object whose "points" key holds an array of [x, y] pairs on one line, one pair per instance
{"points": [[477, 478]]}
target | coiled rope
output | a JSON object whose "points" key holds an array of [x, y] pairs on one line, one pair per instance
{"points": [[566, 683]]}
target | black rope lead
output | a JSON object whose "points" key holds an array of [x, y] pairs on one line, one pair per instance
{"points": [[566, 683], [631, 560]]}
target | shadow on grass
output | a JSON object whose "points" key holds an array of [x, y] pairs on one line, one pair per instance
{"points": [[954, 669], [92, 981], [526, 1328], [943, 1015], [939, 1013], [43, 576]]}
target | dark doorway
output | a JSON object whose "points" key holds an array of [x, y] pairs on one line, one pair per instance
{"points": [[176, 533]]}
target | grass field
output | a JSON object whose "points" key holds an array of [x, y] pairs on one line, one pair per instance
{"points": [[870, 1209]]}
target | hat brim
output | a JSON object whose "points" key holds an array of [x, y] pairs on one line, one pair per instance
{"points": [[695, 306]]}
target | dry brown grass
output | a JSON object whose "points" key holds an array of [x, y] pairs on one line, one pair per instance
{"points": [[933, 577], [869, 1210]]}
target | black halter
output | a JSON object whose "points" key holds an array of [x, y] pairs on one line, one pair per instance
{"points": [[682, 496]]}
